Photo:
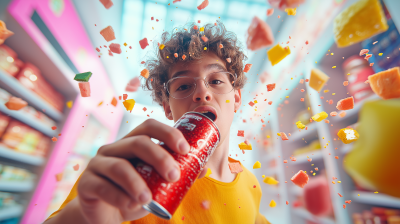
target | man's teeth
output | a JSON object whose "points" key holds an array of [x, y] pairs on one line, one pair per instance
{"points": [[203, 112]]}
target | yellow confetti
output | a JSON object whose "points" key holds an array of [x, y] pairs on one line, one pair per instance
{"points": [[312, 164], [205, 48], [257, 165], [334, 67], [129, 104], [339, 181], [270, 181], [313, 174], [308, 108], [333, 94], [358, 194], [380, 54], [244, 146], [125, 44], [279, 134], [272, 204], [100, 103], [287, 96], [326, 91], [268, 136], [162, 46], [201, 29], [376, 192], [331, 53], [348, 73], [315, 62], [208, 172], [255, 101], [69, 104], [227, 101], [333, 182]]}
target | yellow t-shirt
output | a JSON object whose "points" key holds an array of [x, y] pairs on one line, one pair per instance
{"points": [[235, 202]]}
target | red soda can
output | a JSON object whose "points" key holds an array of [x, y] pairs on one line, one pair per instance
{"points": [[203, 137]]}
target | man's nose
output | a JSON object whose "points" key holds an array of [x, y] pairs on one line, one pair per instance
{"points": [[202, 92]]}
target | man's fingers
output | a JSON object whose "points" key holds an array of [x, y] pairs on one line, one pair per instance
{"points": [[171, 136], [143, 148], [122, 174]]}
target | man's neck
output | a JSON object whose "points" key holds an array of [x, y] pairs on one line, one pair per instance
{"points": [[218, 163]]}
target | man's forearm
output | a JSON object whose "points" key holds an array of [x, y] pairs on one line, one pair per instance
{"points": [[71, 213]]}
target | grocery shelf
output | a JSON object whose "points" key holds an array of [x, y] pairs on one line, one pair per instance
{"points": [[16, 186], [351, 114], [28, 120], [312, 129], [303, 213], [20, 157], [303, 158], [375, 199], [28, 95], [11, 212]]}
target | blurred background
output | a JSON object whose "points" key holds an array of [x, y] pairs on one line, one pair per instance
{"points": [[41, 144]]}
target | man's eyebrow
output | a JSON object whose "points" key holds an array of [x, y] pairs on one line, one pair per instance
{"points": [[179, 73], [215, 66], [208, 67]]}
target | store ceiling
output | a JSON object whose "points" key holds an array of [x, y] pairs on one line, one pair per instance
{"points": [[131, 21]]}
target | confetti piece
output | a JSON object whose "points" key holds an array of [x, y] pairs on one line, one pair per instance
{"points": [[272, 203], [376, 192], [161, 47], [145, 73], [257, 165], [271, 87], [348, 29], [270, 181], [125, 96], [251, 103], [240, 133], [300, 179], [348, 201], [235, 167], [259, 35], [348, 135], [4, 32], [208, 172], [114, 102], [203, 5], [291, 11], [283, 136], [270, 12], [345, 104], [345, 83], [284, 161], [15, 103], [69, 104], [247, 68], [277, 54], [107, 3], [183, 57], [59, 177], [53, 128], [318, 79], [342, 114], [143, 43], [54, 139], [344, 206], [320, 116], [108, 33], [336, 157], [133, 85], [386, 84], [293, 159], [83, 77], [244, 146], [300, 125], [84, 88], [129, 104], [115, 48], [76, 167], [205, 204]]}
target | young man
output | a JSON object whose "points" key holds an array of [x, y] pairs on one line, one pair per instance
{"points": [[191, 73]]}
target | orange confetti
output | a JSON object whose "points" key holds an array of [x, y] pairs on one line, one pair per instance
{"points": [[76, 167], [114, 102], [54, 139]]}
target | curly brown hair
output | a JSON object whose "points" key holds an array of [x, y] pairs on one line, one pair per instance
{"points": [[188, 42]]}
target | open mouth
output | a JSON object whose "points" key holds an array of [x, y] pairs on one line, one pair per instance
{"points": [[209, 115]]}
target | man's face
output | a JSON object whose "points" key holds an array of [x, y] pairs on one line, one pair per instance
{"points": [[203, 96]]}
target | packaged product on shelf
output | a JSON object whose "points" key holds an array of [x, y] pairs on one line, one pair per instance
{"points": [[7, 199], [9, 61], [4, 120], [356, 71], [43, 146], [21, 137], [11, 173], [32, 79]]}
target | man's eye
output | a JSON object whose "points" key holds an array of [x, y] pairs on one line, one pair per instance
{"points": [[183, 87], [216, 82]]}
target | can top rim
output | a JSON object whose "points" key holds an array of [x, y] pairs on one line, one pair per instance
{"points": [[194, 112]]}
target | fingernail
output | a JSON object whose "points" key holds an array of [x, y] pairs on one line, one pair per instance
{"points": [[173, 174], [144, 197], [184, 147]]}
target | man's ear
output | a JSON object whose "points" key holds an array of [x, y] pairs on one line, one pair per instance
{"points": [[167, 110], [238, 99]]}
